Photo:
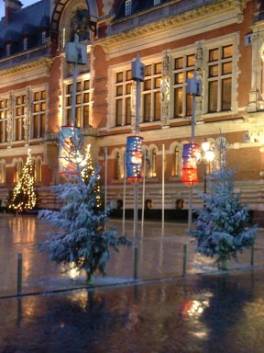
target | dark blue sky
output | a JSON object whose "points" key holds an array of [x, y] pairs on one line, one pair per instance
{"points": [[25, 3]]}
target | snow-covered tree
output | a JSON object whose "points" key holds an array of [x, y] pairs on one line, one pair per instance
{"points": [[223, 226], [23, 196], [80, 238]]}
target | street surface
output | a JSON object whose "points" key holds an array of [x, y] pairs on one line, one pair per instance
{"points": [[202, 314]]}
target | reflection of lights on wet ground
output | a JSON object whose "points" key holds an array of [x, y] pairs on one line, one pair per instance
{"points": [[73, 272], [197, 308], [200, 334], [81, 298]]}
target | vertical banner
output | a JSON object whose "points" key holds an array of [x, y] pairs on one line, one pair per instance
{"points": [[70, 138], [190, 156], [134, 159]]}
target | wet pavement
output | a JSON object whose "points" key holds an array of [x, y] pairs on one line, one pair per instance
{"points": [[159, 256], [202, 314]]}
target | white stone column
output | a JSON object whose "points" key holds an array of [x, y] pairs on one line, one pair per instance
{"points": [[166, 88]]}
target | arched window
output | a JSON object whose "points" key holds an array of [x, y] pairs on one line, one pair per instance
{"points": [[2, 172], [176, 162]]}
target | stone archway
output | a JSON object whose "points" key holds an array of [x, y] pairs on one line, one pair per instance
{"points": [[59, 8]]}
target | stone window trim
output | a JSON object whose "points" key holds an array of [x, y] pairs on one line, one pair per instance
{"points": [[220, 42], [81, 79], [124, 67], [43, 102], [4, 117]]}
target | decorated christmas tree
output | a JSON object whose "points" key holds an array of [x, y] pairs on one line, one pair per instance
{"points": [[23, 197], [81, 240], [87, 171], [223, 226]]}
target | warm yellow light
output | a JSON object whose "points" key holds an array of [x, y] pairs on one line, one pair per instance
{"points": [[209, 156], [205, 146]]}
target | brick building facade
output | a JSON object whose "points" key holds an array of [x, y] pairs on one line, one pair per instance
{"points": [[223, 40]]}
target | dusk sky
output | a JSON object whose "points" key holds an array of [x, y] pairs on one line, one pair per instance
{"points": [[25, 3]]}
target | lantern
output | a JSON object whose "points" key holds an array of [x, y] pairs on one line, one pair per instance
{"points": [[189, 163], [134, 159], [69, 143]]}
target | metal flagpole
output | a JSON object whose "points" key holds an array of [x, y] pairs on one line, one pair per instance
{"points": [[106, 176], [143, 195], [191, 188], [124, 202], [163, 191]]}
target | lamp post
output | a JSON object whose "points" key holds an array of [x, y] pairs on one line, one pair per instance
{"points": [[207, 157]]}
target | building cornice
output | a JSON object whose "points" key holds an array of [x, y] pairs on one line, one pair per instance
{"points": [[25, 72], [221, 13]]}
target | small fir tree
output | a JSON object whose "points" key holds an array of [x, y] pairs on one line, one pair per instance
{"points": [[81, 238], [222, 227], [23, 197]]}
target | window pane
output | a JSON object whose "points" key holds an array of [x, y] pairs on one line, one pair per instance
{"points": [[119, 77], [86, 98], [157, 68], [146, 107], [213, 71], [79, 99], [86, 85], [118, 112], [79, 86], [213, 54], [128, 111], [148, 70], [78, 116], [128, 88], [157, 111], [157, 82], [227, 68], [119, 90], [178, 101], [69, 89], [227, 51], [226, 93], [86, 116], [42, 125], [129, 75], [212, 96], [37, 96], [188, 104], [190, 74], [179, 78], [178, 63], [191, 60], [35, 126], [147, 85]]}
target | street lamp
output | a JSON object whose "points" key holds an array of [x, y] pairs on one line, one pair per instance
{"points": [[207, 156]]}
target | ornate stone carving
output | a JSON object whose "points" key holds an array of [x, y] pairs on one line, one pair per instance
{"points": [[165, 88], [80, 24], [10, 119]]}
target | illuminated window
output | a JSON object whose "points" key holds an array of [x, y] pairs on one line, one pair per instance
{"points": [[83, 102], [3, 120], [2, 172], [183, 69], [18, 170], [39, 114], [20, 112], [123, 88], [220, 67], [37, 170], [151, 98]]}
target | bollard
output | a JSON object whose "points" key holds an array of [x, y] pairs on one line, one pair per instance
{"points": [[135, 261], [185, 259], [19, 273], [252, 257]]}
